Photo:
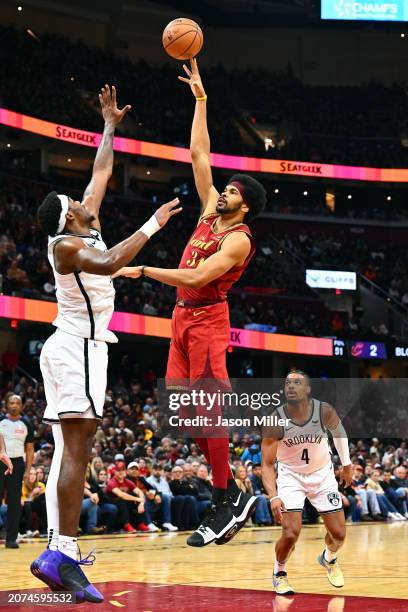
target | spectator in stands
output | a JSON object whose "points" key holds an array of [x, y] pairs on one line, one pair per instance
{"points": [[107, 512], [189, 518], [152, 498], [158, 482], [388, 510], [33, 503], [203, 485], [399, 483], [262, 514], [89, 511], [130, 504], [368, 497]]}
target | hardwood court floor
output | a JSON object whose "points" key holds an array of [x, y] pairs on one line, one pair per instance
{"points": [[160, 572]]}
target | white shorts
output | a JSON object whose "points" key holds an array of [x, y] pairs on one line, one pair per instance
{"points": [[74, 371], [320, 488]]}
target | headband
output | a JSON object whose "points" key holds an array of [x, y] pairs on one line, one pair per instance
{"points": [[238, 185], [64, 209]]}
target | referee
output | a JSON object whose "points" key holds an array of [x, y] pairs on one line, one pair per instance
{"points": [[18, 434]]}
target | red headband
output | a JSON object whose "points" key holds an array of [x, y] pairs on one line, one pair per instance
{"points": [[240, 188]]}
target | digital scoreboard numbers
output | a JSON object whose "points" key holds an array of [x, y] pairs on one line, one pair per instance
{"points": [[367, 350], [339, 348]]}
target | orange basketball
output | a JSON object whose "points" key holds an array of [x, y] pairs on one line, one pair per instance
{"points": [[182, 38]]}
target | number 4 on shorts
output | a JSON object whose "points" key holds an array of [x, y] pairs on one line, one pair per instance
{"points": [[305, 456]]}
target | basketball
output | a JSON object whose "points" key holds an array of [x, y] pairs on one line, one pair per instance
{"points": [[182, 38]]}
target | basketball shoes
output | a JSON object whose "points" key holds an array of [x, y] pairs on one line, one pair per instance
{"points": [[243, 506], [61, 573], [281, 584], [334, 573], [219, 520]]}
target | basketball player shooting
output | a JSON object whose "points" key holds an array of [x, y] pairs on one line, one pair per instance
{"points": [[74, 359], [305, 469], [215, 257]]}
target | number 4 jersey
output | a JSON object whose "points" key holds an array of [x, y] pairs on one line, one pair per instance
{"points": [[304, 448]]}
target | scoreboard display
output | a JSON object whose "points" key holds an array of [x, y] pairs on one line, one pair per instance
{"points": [[361, 349]]}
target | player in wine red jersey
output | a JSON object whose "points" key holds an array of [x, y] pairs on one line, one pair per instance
{"points": [[215, 257]]}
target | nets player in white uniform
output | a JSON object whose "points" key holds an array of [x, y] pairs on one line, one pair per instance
{"points": [[74, 359], [305, 469]]}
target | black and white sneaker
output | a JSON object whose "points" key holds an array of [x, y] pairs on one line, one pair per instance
{"points": [[219, 520], [243, 506]]}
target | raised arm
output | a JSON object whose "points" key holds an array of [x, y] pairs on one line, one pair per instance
{"points": [[71, 254], [200, 142], [103, 164]]}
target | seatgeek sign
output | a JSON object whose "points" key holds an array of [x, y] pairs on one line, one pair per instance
{"points": [[331, 279], [377, 10]]}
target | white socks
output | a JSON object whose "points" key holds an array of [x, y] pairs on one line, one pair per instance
{"points": [[53, 538], [329, 555], [279, 567], [51, 497], [68, 546]]}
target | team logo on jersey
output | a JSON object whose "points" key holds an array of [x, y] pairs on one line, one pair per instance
{"points": [[334, 499]]}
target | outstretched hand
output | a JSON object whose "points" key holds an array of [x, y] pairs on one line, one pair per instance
{"points": [[194, 79], [110, 111], [166, 211], [129, 272]]}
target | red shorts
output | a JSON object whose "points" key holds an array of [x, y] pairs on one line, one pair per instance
{"points": [[199, 341]]}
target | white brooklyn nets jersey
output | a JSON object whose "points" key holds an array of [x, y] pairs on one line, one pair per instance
{"points": [[304, 448], [85, 301]]}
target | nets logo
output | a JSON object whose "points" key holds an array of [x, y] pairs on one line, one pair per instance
{"points": [[353, 10], [334, 499]]}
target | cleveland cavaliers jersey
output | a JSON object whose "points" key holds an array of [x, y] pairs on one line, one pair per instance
{"points": [[203, 243], [85, 301], [304, 448]]}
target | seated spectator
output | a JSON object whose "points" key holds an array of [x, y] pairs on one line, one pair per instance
{"points": [[399, 483], [388, 510], [106, 511], [368, 497], [159, 483], [262, 514], [33, 503], [188, 517], [203, 485], [128, 499], [89, 511], [152, 498]]}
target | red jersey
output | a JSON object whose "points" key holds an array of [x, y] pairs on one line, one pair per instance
{"points": [[203, 243]]}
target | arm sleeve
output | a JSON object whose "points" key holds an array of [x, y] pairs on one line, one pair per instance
{"points": [[340, 441]]}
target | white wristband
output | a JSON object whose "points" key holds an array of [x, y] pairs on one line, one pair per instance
{"points": [[150, 227], [271, 499]]}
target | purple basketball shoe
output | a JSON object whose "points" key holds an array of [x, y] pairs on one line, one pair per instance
{"points": [[61, 573]]}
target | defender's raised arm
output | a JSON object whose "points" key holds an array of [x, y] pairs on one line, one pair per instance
{"points": [[103, 164]]}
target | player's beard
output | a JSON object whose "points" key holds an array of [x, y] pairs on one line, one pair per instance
{"points": [[228, 210]]}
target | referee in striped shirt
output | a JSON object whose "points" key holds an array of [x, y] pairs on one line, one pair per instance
{"points": [[18, 435]]}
